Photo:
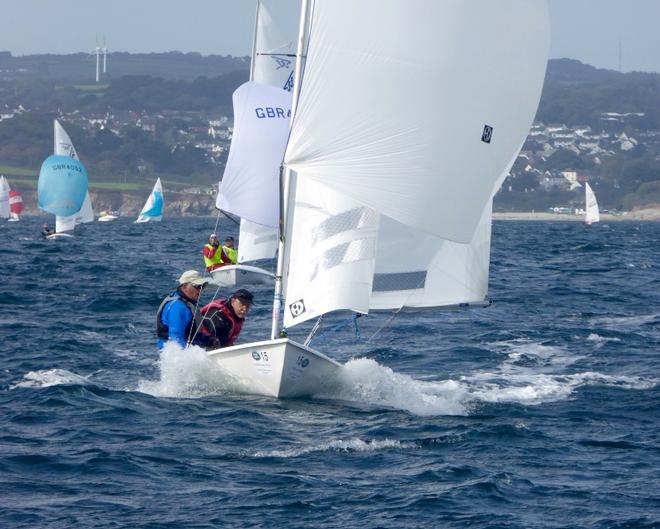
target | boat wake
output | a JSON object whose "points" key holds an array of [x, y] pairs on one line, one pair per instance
{"points": [[530, 374], [189, 373]]}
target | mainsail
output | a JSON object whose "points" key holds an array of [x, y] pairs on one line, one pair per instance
{"points": [[4, 198], [153, 207], [419, 139], [63, 146], [592, 212], [273, 61]]}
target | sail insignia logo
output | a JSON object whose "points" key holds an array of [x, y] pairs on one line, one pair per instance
{"points": [[487, 134], [297, 308], [282, 62]]}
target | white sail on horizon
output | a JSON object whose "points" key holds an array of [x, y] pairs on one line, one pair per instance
{"points": [[592, 213]]}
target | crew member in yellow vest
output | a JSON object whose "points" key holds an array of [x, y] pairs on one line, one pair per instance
{"points": [[229, 250], [214, 255]]}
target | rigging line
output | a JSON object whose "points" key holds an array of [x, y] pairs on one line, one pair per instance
{"points": [[391, 318], [229, 217], [195, 313]]}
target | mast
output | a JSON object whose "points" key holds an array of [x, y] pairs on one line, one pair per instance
{"points": [[286, 173], [254, 41]]}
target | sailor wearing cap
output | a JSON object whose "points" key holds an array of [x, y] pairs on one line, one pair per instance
{"points": [[223, 319], [178, 318], [229, 250]]}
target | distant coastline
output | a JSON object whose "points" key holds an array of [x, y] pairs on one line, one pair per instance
{"points": [[646, 214]]}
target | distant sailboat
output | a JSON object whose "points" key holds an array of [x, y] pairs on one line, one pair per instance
{"points": [[153, 208], [65, 224], [592, 213], [15, 205], [107, 216]]}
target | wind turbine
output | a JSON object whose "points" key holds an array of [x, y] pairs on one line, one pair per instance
{"points": [[105, 55], [97, 50]]}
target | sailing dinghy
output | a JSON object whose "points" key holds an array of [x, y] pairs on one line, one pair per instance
{"points": [[63, 186], [393, 133], [153, 207], [592, 213], [15, 205], [262, 118]]}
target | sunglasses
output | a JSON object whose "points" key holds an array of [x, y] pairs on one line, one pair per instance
{"points": [[197, 287]]}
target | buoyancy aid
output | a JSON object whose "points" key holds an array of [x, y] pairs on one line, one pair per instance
{"points": [[232, 253], [162, 330], [213, 262], [235, 323]]}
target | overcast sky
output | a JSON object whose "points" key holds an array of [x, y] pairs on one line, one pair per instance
{"points": [[592, 31]]}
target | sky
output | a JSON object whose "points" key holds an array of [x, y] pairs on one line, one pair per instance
{"points": [[603, 33]]}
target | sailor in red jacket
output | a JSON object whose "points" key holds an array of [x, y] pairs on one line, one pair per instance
{"points": [[224, 319], [214, 254]]}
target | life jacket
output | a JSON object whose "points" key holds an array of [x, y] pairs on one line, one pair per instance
{"points": [[235, 323], [213, 262], [163, 331], [232, 253]]}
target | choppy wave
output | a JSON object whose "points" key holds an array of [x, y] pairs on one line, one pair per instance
{"points": [[338, 445]]}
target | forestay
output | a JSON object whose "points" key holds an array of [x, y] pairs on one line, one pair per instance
{"points": [[415, 144]]}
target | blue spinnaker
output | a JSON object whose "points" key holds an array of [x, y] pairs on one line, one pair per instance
{"points": [[62, 185]]}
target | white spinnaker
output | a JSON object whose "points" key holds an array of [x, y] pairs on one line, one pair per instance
{"points": [[250, 184], [63, 146], [407, 95], [592, 211], [4, 198], [331, 255]]}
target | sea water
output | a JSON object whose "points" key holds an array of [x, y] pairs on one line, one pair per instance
{"points": [[539, 411]]}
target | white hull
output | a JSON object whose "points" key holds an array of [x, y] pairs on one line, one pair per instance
{"points": [[60, 236], [242, 275], [277, 368], [13, 219], [107, 218]]}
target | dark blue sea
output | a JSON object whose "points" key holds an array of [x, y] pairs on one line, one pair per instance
{"points": [[542, 411]]}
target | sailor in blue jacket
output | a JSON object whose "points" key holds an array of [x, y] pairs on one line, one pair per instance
{"points": [[178, 318]]}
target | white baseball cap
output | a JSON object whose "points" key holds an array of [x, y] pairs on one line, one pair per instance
{"points": [[192, 277]]}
